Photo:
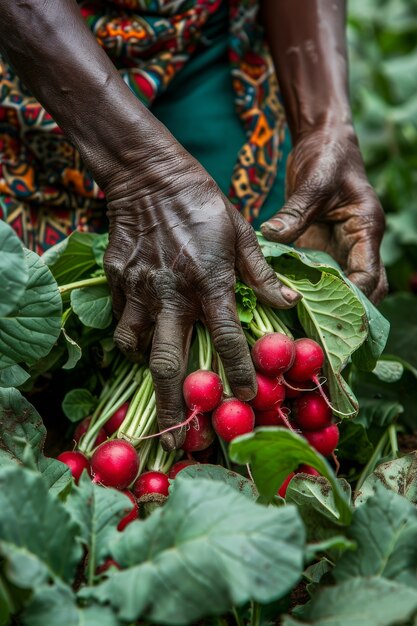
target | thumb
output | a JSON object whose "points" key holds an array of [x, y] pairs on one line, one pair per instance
{"points": [[294, 218]]}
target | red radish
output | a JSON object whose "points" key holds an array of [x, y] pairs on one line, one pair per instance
{"points": [[309, 359], [202, 391], [151, 482], [271, 417], [180, 465], [307, 469], [273, 354], [270, 393], [283, 489], [116, 420], [82, 429], [233, 418], [312, 412], [200, 433], [115, 464], [133, 513], [77, 463], [325, 440]]}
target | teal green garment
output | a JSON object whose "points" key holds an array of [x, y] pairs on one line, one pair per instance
{"points": [[198, 108]]}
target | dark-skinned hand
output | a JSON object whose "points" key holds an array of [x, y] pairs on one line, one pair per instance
{"points": [[175, 247], [332, 207]]}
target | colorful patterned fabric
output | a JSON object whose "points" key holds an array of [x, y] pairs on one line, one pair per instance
{"points": [[45, 191]]}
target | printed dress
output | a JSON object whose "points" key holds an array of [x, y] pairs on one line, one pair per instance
{"points": [[203, 68]]}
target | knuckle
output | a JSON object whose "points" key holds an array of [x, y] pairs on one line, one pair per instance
{"points": [[165, 364], [228, 340], [125, 339]]}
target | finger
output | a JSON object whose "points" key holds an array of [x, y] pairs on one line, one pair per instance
{"points": [[295, 216], [381, 289], [257, 274], [114, 268], [363, 265], [168, 365], [134, 330], [222, 321]]}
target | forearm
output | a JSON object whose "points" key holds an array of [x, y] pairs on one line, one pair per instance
{"points": [[58, 59], [308, 45]]}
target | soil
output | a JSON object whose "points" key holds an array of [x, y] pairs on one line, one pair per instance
{"points": [[407, 443]]}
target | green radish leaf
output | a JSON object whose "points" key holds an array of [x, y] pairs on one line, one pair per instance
{"points": [[57, 605], [97, 512], [35, 528], [209, 549], [219, 473], [99, 248], [273, 453], [399, 475], [388, 371], [20, 426], [359, 602], [354, 443], [13, 270], [93, 305], [11, 374], [385, 530], [332, 315], [30, 330], [315, 501], [51, 600], [367, 354], [376, 412], [78, 403], [72, 259], [74, 351], [335, 544], [245, 302]]}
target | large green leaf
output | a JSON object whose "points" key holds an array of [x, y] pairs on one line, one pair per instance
{"points": [[51, 601], [273, 453], [72, 259], [385, 530], [30, 330], [399, 475], [219, 473], [13, 269], [21, 429], [378, 327], [57, 606], [36, 524], [208, 549], [97, 512], [93, 305], [314, 499], [11, 374], [360, 602]]}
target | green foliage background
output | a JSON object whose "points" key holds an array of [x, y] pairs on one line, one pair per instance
{"points": [[383, 73]]}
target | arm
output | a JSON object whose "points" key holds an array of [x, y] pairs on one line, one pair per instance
{"points": [[175, 241], [330, 205]]}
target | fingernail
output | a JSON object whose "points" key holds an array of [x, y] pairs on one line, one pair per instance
{"points": [[276, 225], [168, 442], [246, 393], [291, 296]]}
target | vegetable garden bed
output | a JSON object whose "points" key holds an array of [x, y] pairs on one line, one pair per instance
{"points": [[218, 538]]}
